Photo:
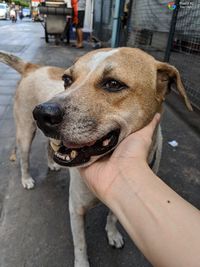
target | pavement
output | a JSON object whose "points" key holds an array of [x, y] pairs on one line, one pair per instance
{"points": [[34, 225]]}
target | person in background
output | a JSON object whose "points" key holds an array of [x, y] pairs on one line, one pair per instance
{"points": [[20, 13], [78, 20]]}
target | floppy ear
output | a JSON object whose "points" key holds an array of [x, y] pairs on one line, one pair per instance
{"points": [[166, 76]]}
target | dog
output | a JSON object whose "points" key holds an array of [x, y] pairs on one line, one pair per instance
{"points": [[109, 94], [37, 84]]}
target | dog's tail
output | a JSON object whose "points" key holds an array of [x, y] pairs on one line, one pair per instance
{"points": [[13, 61]]}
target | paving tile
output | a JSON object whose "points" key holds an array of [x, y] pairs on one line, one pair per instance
{"points": [[12, 48], [5, 100], [8, 82], [8, 113], [7, 90], [14, 76], [3, 67], [7, 128], [2, 110]]}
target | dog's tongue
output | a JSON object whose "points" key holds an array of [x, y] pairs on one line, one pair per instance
{"points": [[74, 145]]}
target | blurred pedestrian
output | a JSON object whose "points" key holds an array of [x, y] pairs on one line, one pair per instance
{"points": [[78, 20], [20, 13]]}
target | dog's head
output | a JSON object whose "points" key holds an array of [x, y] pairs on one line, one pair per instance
{"points": [[109, 94]]}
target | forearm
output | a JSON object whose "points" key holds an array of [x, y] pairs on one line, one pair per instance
{"points": [[164, 226]]}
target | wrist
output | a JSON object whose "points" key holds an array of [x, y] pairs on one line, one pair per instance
{"points": [[128, 181]]}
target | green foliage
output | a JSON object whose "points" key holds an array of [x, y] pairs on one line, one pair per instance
{"points": [[21, 3]]}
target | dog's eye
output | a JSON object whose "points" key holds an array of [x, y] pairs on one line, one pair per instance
{"points": [[112, 85], [67, 80]]}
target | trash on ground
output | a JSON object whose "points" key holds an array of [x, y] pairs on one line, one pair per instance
{"points": [[173, 143]]}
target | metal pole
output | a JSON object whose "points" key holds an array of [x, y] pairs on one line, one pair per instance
{"points": [[172, 31], [101, 19], [116, 19]]}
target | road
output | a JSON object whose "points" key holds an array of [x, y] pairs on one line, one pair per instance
{"points": [[4, 22], [34, 225]]}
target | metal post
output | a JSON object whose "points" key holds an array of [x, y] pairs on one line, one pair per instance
{"points": [[101, 19], [172, 31], [115, 27]]}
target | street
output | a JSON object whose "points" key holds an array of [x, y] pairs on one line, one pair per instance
{"points": [[34, 225]]}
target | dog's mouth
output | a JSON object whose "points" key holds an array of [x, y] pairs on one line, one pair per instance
{"points": [[79, 155]]}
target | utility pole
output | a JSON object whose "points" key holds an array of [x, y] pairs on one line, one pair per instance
{"points": [[116, 23], [172, 31]]}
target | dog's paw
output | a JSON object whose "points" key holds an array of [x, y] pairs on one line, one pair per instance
{"points": [[13, 155], [115, 239], [54, 166], [28, 183], [81, 264]]}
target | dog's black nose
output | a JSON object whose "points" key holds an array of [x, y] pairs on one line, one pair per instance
{"points": [[48, 114]]}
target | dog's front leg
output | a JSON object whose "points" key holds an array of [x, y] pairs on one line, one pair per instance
{"points": [[80, 199], [77, 228], [115, 239], [53, 166], [24, 137]]}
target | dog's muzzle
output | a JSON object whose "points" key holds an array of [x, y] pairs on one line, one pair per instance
{"points": [[49, 118]]}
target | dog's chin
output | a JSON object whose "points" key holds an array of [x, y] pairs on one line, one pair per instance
{"points": [[84, 154]]}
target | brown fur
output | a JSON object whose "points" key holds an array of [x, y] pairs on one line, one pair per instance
{"points": [[55, 73], [29, 68], [148, 81]]}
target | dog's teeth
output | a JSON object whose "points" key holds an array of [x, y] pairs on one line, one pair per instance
{"points": [[60, 156], [106, 142], [55, 141], [73, 154], [63, 157], [54, 146], [67, 157]]}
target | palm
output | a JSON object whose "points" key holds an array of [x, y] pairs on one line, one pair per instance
{"points": [[102, 174]]}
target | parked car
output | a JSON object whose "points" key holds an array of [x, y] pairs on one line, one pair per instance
{"points": [[3, 11], [26, 12]]}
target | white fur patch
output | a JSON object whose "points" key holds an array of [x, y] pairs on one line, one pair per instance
{"points": [[92, 65], [98, 58]]}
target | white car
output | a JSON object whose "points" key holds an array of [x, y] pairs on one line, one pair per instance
{"points": [[3, 11]]}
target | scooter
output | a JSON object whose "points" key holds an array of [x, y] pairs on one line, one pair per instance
{"points": [[13, 16]]}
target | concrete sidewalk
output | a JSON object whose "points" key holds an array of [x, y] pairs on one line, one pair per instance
{"points": [[34, 225]]}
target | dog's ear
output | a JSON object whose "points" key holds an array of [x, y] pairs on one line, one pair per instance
{"points": [[166, 76]]}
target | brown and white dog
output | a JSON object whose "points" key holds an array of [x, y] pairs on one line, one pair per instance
{"points": [[37, 84], [109, 93]]}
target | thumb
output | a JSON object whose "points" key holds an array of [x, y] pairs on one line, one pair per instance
{"points": [[149, 129]]}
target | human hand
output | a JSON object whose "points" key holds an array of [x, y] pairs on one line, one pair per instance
{"points": [[129, 157], [75, 20]]}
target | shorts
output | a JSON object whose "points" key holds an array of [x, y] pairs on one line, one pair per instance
{"points": [[81, 16]]}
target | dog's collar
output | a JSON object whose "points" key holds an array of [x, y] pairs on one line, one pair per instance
{"points": [[151, 164]]}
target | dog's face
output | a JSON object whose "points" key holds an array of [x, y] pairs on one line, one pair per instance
{"points": [[109, 94]]}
